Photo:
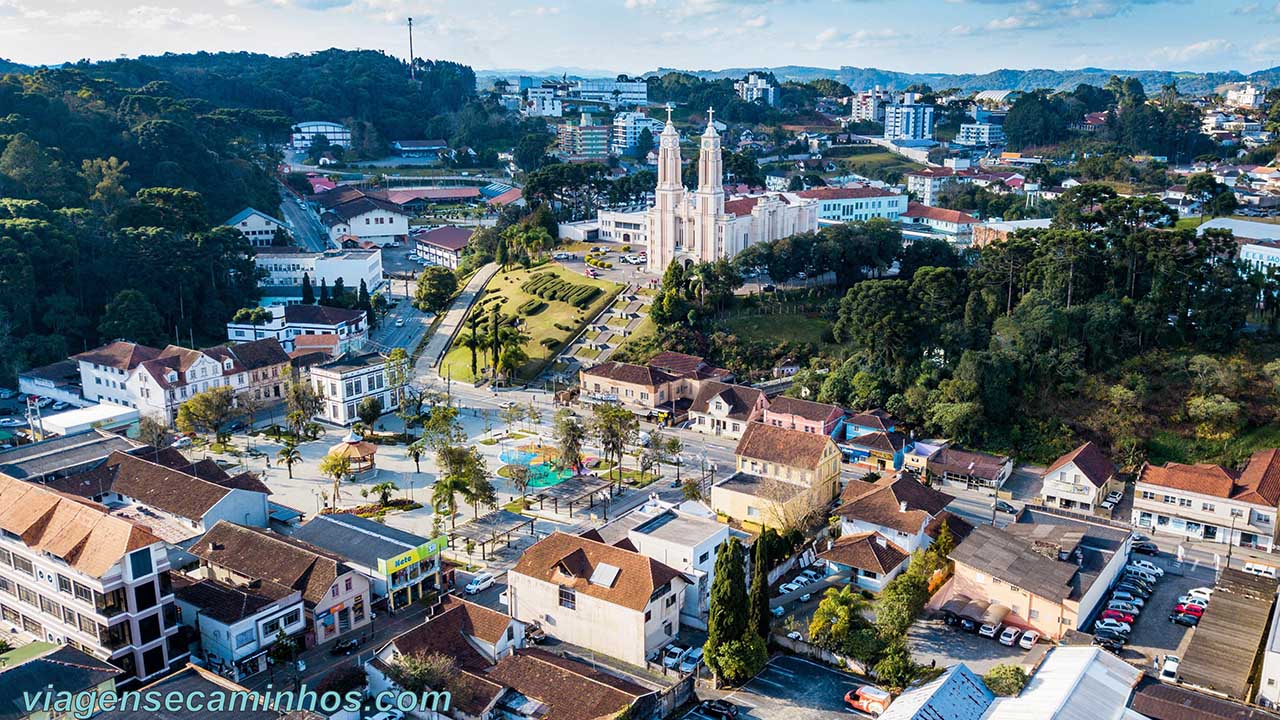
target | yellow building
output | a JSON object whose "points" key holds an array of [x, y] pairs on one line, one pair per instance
{"points": [[783, 478]]}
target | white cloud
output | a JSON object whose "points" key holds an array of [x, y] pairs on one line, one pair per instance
{"points": [[834, 38], [758, 21], [1193, 51], [537, 11]]}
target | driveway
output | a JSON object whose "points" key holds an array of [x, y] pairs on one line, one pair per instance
{"points": [[791, 688], [934, 642], [1024, 482]]}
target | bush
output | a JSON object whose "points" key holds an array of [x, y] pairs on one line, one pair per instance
{"points": [[532, 307], [1007, 680], [549, 342]]}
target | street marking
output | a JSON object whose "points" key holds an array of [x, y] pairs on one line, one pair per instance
{"points": [[768, 682]]}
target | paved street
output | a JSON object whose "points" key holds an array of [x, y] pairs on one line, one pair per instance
{"points": [[304, 225], [452, 320]]}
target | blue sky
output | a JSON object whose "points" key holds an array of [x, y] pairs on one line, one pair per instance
{"points": [[640, 35]]}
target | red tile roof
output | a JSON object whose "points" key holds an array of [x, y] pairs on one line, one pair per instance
{"points": [[1090, 460], [866, 551], [507, 197], [119, 354], [835, 193], [899, 503], [1258, 483], [793, 448], [448, 237], [741, 206], [571, 561], [918, 210]]}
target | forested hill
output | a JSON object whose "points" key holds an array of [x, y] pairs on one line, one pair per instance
{"points": [[335, 85], [8, 66]]}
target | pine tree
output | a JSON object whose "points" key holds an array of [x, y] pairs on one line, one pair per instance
{"points": [[363, 301], [339, 292], [308, 294], [324, 291], [728, 620], [758, 612]]}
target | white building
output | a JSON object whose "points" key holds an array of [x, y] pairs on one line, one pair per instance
{"points": [[345, 383], [105, 371], [161, 384], [72, 573], [601, 597], [542, 102], [616, 93], [442, 245], [757, 88], [928, 183], [980, 135], [367, 219], [350, 327], [1210, 503], [1269, 680], [238, 625], [868, 105], [838, 205], [305, 132], [908, 121], [923, 221], [627, 127], [1249, 97], [256, 226], [285, 266], [1079, 480]]}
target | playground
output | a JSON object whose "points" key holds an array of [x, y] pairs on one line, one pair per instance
{"points": [[541, 461]]}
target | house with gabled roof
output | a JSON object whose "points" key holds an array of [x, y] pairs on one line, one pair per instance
{"points": [[897, 507], [782, 477], [724, 409], [606, 598], [1210, 502], [668, 383], [256, 226], [1079, 480], [803, 415]]}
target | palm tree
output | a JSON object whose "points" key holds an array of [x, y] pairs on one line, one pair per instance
{"points": [[337, 467], [511, 360], [384, 490], [289, 455], [444, 495], [416, 450], [472, 342]]}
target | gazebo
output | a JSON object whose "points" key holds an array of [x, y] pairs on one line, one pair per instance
{"points": [[359, 450]]}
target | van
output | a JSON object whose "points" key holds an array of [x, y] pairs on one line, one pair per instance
{"points": [[1143, 575], [1260, 569]]}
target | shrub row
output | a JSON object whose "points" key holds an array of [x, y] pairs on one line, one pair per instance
{"points": [[533, 307], [600, 264], [550, 286]]}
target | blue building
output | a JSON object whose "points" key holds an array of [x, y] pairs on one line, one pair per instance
{"points": [[958, 694]]}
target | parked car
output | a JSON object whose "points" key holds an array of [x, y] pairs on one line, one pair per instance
{"points": [[691, 660], [1189, 609], [1005, 507], [1169, 670], [1125, 607], [399, 322], [806, 597], [777, 611], [1204, 592], [673, 654], [12, 422], [989, 630], [769, 288], [1029, 639], [814, 575], [1109, 624], [868, 699], [1123, 617], [483, 581], [968, 625], [1114, 497], [1186, 619], [534, 633], [1115, 647], [6, 393], [795, 635], [1143, 575], [1146, 547], [801, 580], [788, 588], [1010, 636], [722, 709], [1114, 635], [1135, 586], [1193, 600], [1149, 566], [345, 647], [182, 442], [1128, 597]]}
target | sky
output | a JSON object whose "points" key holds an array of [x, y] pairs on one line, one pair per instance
{"points": [[634, 36]]}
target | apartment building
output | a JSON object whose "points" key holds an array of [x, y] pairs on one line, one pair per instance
{"points": [[840, 205], [783, 476], [908, 121], [1079, 480], [601, 597], [868, 105], [923, 221], [105, 371], [980, 135], [72, 573], [336, 598], [616, 93], [286, 266], [756, 88], [345, 383], [1211, 503], [627, 127], [583, 140]]}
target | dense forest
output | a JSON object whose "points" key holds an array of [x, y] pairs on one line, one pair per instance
{"points": [[1111, 325]]}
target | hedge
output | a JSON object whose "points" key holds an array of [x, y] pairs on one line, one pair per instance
{"points": [[550, 286], [533, 307]]}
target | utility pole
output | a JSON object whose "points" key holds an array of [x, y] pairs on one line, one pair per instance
{"points": [[411, 71]]}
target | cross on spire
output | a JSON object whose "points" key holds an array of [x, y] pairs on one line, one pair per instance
{"points": [[711, 115], [670, 107]]}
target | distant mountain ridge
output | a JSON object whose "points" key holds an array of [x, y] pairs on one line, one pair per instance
{"points": [[861, 78], [8, 66]]}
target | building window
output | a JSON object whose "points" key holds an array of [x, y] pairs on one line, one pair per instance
{"points": [[64, 584], [347, 585], [1207, 507], [648, 615], [28, 597], [23, 565], [1184, 502], [245, 638], [568, 598], [83, 593]]}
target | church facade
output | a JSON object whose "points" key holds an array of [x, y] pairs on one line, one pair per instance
{"points": [[701, 225]]}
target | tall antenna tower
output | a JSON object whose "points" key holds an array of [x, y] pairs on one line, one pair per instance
{"points": [[411, 71]]}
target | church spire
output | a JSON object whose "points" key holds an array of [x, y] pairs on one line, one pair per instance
{"points": [[710, 165], [669, 156]]}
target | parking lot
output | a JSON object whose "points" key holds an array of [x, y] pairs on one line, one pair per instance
{"points": [[791, 688], [933, 641], [1153, 634]]}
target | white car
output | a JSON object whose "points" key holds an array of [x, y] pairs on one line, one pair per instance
{"points": [[1204, 592], [1010, 636], [690, 662], [1169, 671], [989, 631], [794, 635], [1115, 496], [1124, 606], [814, 575], [789, 588], [1029, 639], [802, 580], [1116, 625], [673, 654], [182, 441], [1193, 600], [12, 422], [1148, 566], [483, 581], [399, 322]]}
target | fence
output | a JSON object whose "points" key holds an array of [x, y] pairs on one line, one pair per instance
{"points": [[800, 647]]}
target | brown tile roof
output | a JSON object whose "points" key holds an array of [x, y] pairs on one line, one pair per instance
{"points": [[1260, 480], [260, 353], [271, 557], [570, 690], [1204, 479], [81, 533], [740, 398], [832, 193], [447, 237], [1090, 460], [449, 629], [889, 442], [882, 503], [877, 418], [682, 365], [225, 603], [119, 354], [967, 462], [570, 560], [959, 527], [807, 409], [741, 206], [865, 551], [630, 373], [1161, 701], [793, 448], [917, 210], [206, 469]]}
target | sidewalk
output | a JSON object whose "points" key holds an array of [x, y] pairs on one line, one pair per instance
{"points": [[452, 320]]}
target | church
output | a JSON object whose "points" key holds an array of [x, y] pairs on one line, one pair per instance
{"points": [[702, 226]]}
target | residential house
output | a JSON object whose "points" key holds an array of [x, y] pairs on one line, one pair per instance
{"points": [[442, 245], [724, 409], [346, 382], [289, 321], [875, 420], [803, 415], [256, 226], [607, 599], [401, 567], [924, 221], [237, 626], [175, 498], [880, 451], [783, 476], [72, 573], [267, 365], [335, 596], [848, 204], [42, 666], [668, 383], [203, 690], [915, 460], [956, 694], [1211, 503], [969, 469], [1079, 480], [1049, 573], [869, 559], [897, 508]]}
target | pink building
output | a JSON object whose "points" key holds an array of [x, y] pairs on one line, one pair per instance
{"points": [[802, 415]]}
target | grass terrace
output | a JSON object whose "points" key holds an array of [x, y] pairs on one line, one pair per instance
{"points": [[551, 303]]}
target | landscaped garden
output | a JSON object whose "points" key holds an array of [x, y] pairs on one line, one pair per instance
{"points": [[538, 311]]}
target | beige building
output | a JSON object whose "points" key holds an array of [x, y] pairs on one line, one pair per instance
{"points": [[668, 383], [783, 477], [1079, 480], [723, 409], [1210, 502], [601, 597]]}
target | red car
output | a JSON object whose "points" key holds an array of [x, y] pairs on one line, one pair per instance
{"points": [[1189, 609], [1117, 615]]}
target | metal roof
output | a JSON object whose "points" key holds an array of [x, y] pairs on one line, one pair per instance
{"points": [[1073, 683], [1229, 636]]}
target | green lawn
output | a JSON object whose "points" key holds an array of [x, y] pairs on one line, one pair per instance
{"points": [[1195, 220], [457, 362], [879, 164], [780, 328]]}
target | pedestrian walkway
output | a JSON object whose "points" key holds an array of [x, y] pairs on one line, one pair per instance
{"points": [[439, 341]]}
